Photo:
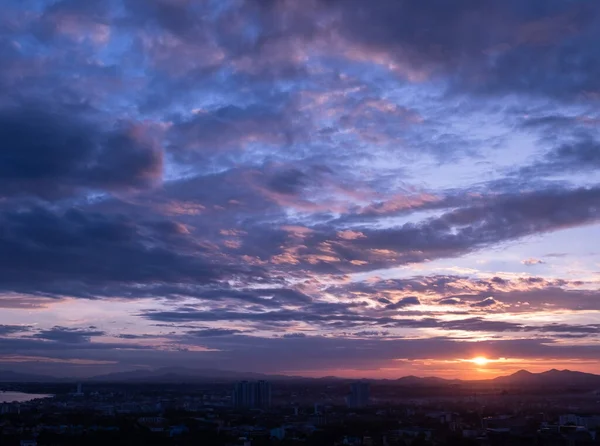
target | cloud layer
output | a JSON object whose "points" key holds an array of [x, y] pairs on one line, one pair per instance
{"points": [[212, 185]]}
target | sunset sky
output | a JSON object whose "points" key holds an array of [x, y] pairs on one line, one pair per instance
{"points": [[313, 187]]}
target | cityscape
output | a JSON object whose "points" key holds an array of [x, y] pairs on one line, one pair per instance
{"points": [[299, 222], [549, 408]]}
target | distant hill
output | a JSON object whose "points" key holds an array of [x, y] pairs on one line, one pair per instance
{"points": [[556, 379], [180, 374], [429, 381], [562, 378]]}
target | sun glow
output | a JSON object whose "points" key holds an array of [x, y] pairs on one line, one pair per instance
{"points": [[480, 360]]}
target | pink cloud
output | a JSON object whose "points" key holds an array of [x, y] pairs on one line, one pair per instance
{"points": [[399, 202], [350, 235]]}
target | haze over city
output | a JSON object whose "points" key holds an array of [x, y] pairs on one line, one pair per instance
{"points": [[313, 188]]}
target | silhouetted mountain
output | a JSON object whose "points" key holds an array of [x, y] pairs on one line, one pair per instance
{"points": [[558, 379], [429, 381], [180, 374], [563, 378]]}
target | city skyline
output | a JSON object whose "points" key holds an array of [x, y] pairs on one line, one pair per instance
{"points": [[357, 189]]}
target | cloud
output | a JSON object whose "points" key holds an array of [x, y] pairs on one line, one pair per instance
{"points": [[343, 316], [210, 332], [13, 329], [573, 156], [591, 329], [531, 261], [68, 335], [287, 182], [478, 324], [298, 170], [450, 301], [294, 335], [539, 48], [55, 153], [527, 293], [581, 155], [454, 233], [487, 302], [78, 252], [370, 333], [136, 336], [233, 128], [404, 302]]}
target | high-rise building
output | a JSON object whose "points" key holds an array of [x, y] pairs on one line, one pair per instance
{"points": [[264, 392], [79, 391], [242, 394], [359, 394], [252, 395]]}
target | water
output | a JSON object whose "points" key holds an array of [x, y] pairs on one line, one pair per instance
{"points": [[20, 397]]}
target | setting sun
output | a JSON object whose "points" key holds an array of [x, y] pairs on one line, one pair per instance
{"points": [[480, 360]]}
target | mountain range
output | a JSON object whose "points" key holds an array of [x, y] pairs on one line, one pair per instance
{"points": [[522, 378]]}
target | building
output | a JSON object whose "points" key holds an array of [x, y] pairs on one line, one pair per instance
{"points": [[79, 391], [359, 394], [587, 421], [252, 395], [264, 390], [278, 433]]}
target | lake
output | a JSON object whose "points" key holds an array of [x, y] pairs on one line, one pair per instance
{"points": [[20, 397]]}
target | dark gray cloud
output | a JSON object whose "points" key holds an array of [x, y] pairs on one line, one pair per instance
{"points": [[68, 335], [591, 329], [136, 336], [294, 335], [175, 17], [310, 315], [404, 302], [500, 218], [54, 153], [218, 293], [211, 332], [232, 128], [540, 47], [573, 156], [581, 155], [56, 343], [487, 302], [48, 251], [342, 320], [287, 182], [370, 333], [260, 296], [449, 301], [13, 329], [473, 225], [476, 324], [535, 47], [493, 294]]}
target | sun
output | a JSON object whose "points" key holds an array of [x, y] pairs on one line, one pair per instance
{"points": [[480, 360]]}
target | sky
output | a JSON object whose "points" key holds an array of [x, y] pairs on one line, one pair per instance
{"points": [[317, 187]]}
